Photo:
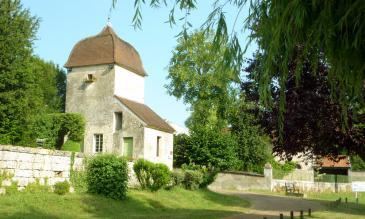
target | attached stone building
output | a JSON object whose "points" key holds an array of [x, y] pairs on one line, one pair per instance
{"points": [[105, 83]]}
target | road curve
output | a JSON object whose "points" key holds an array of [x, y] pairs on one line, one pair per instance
{"points": [[271, 206]]}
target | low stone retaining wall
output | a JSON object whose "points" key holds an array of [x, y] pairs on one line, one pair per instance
{"points": [[26, 165], [301, 175], [240, 181], [310, 186]]}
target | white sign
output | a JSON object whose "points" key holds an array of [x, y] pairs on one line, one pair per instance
{"points": [[358, 186]]}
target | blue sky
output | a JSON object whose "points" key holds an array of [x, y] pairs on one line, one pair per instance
{"points": [[65, 22]]}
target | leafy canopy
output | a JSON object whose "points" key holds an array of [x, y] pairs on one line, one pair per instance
{"points": [[312, 120], [196, 76], [282, 28], [29, 86], [20, 98]]}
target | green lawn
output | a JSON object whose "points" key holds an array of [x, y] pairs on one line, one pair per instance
{"points": [[342, 210], [71, 146], [177, 203], [351, 210]]}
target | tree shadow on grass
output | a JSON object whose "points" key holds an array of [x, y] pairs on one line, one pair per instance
{"points": [[32, 213], [224, 199], [100, 207]]}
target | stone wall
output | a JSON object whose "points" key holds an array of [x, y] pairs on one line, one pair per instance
{"points": [[241, 181], [300, 174], [26, 165], [310, 186]]}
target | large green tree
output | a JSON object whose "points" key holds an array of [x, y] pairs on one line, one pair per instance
{"points": [[197, 76], [29, 86], [51, 81], [19, 96]]}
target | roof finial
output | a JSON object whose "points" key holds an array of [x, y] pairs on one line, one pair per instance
{"points": [[109, 23]]}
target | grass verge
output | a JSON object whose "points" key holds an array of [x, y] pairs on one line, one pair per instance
{"points": [[176, 203]]}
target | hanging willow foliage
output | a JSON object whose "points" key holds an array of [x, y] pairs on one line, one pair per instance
{"points": [[302, 29], [286, 29]]}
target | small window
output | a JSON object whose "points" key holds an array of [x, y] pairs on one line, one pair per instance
{"points": [[98, 141], [158, 146], [118, 121]]}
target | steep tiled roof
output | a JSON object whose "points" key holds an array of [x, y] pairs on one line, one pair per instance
{"points": [[105, 48], [147, 115], [340, 161]]}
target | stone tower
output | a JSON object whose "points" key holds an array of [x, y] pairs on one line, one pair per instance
{"points": [[105, 83]]}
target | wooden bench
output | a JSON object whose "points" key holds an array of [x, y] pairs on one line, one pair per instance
{"points": [[290, 189]]}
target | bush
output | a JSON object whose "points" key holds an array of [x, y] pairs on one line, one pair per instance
{"points": [[208, 173], [192, 179], [206, 147], [107, 175], [161, 176], [78, 180], [281, 170], [62, 188], [152, 176], [36, 187], [177, 177], [12, 189], [142, 169]]}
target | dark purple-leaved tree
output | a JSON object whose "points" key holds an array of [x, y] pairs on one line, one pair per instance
{"points": [[312, 122]]}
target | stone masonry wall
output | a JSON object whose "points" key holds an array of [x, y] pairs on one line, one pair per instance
{"points": [[241, 181], [26, 165], [310, 186]]}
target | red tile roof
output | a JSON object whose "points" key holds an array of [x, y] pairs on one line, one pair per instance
{"points": [[341, 161]]}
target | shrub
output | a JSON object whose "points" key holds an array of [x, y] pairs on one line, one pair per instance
{"points": [[78, 180], [142, 169], [36, 187], [62, 188], [192, 179], [107, 174], [206, 146], [12, 189], [281, 170], [152, 176], [161, 176], [208, 173], [177, 177]]}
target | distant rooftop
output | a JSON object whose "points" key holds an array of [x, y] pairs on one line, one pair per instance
{"points": [[341, 161]]}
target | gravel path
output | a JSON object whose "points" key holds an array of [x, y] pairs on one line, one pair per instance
{"points": [[270, 206]]}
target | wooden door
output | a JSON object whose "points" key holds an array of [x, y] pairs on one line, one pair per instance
{"points": [[128, 147]]}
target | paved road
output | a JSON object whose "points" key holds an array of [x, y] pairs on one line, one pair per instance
{"points": [[271, 206]]}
